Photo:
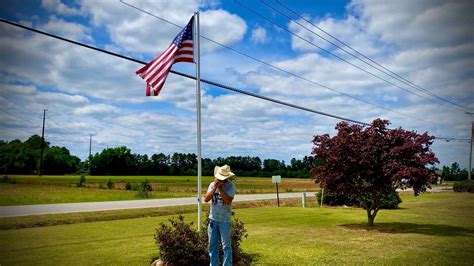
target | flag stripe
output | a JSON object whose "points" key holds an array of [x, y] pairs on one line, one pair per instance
{"points": [[165, 68], [158, 64], [152, 63]]}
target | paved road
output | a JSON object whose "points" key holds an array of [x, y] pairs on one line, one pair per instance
{"points": [[24, 210]]}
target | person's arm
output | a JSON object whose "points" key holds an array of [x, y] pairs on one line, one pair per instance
{"points": [[210, 193], [225, 197]]}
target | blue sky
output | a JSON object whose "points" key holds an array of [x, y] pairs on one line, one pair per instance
{"points": [[430, 43]]}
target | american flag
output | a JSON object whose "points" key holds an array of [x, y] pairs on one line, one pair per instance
{"points": [[180, 50]]}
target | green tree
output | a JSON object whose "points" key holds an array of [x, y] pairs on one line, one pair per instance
{"points": [[114, 161], [161, 164], [58, 161]]}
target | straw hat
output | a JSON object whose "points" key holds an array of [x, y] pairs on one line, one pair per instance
{"points": [[223, 172]]}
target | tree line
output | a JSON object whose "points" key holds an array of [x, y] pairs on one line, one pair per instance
{"points": [[454, 173], [17, 157]]}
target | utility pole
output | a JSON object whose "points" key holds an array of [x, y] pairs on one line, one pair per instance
{"points": [[40, 172], [470, 152], [90, 150]]}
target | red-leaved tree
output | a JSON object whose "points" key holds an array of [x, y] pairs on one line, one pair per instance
{"points": [[371, 162]]}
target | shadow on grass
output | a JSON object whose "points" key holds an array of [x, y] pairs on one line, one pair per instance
{"points": [[412, 228], [249, 258]]}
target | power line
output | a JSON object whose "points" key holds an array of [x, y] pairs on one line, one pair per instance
{"points": [[447, 139], [187, 76], [390, 73], [280, 69], [329, 52]]}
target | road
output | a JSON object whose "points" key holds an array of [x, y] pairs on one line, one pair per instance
{"points": [[24, 210]]}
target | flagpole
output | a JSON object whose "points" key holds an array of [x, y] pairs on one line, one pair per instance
{"points": [[198, 114]]}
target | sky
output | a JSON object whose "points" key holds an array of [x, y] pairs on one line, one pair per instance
{"points": [[429, 43]]}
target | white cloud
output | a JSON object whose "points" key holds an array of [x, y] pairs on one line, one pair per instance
{"points": [[104, 109], [66, 29], [141, 33], [60, 8], [259, 35], [417, 23]]}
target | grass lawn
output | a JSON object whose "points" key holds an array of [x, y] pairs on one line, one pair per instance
{"points": [[22, 194], [432, 229], [63, 189]]}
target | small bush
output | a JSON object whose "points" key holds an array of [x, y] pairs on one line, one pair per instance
{"points": [[144, 190], [128, 186], [180, 244], [82, 181], [464, 186], [8, 180], [390, 201], [109, 184], [335, 199]]}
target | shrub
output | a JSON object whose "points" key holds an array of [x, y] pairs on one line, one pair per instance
{"points": [[82, 181], [238, 233], [109, 184], [388, 201], [180, 244], [144, 190], [335, 199], [464, 186], [391, 201], [128, 186], [8, 180]]}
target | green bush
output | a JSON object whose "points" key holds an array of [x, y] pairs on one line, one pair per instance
{"points": [[390, 201], [109, 184], [464, 186], [128, 186], [335, 199], [144, 190], [8, 180], [82, 181], [180, 244]]}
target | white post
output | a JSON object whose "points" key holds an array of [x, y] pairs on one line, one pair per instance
{"points": [[303, 199], [322, 197], [198, 113]]}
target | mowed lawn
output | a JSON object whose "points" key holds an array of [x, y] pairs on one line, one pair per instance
{"points": [[432, 229], [63, 189]]}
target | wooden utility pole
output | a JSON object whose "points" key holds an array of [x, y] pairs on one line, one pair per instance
{"points": [[40, 171], [470, 152], [90, 150]]}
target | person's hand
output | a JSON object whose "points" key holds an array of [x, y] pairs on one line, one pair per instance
{"points": [[218, 183]]}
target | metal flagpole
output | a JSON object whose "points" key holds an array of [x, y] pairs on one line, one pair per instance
{"points": [[198, 113]]}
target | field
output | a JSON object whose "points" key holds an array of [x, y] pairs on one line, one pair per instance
{"points": [[63, 189], [432, 229]]}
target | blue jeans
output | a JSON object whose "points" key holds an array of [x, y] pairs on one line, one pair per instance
{"points": [[216, 230]]}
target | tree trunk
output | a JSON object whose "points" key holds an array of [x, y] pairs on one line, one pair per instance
{"points": [[371, 213]]}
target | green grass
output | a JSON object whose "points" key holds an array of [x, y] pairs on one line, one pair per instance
{"points": [[83, 217], [433, 229], [22, 194], [63, 189]]}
